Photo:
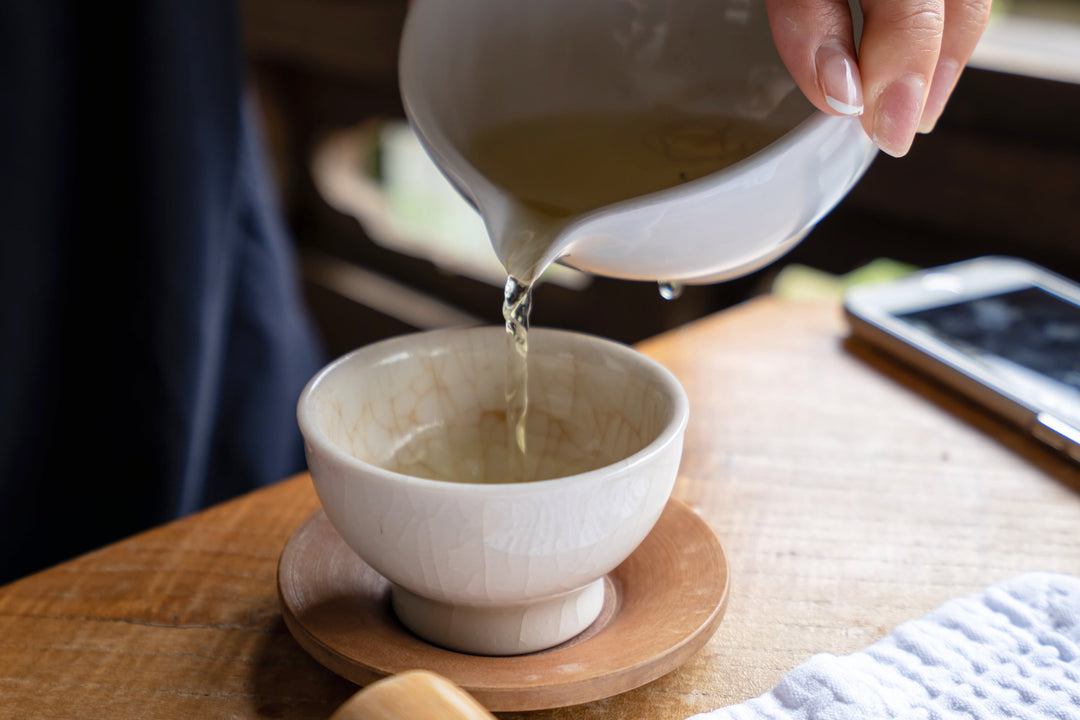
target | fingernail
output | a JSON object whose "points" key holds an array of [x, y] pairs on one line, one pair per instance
{"points": [[897, 114], [839, 79], [941, 86]]}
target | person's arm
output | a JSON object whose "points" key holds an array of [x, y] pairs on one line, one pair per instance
{"points": [[910, 56]]}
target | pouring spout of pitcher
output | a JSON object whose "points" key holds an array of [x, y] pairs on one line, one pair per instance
{"points": [[526, 240]]}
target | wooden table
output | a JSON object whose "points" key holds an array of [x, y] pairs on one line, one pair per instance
{"points": [[849, 494]]}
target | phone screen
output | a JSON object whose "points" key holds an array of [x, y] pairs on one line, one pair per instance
{"points": [[1029, 339]]}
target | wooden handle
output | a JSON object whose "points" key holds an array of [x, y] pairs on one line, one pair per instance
{"points": [[413, 695]]}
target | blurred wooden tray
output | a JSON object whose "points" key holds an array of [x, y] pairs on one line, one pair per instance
{"points": [[662, 605]]}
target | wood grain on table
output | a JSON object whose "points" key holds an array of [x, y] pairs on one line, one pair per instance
{"points": [[849, 495]]}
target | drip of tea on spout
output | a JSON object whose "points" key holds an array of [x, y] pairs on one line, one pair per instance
{"points": [[670, 290]]}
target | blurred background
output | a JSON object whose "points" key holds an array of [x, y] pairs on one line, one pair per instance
{"points": [[386, 247]]}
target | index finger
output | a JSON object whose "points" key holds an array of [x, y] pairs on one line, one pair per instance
{"points": [[814, 39]]}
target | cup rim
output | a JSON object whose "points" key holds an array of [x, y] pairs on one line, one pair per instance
{"points": [[315, 436]]}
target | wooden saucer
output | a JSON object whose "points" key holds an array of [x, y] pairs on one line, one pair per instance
{"points": [[663, 603]]}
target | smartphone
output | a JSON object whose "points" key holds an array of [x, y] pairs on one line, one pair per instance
{"points": [[1003, 331]]}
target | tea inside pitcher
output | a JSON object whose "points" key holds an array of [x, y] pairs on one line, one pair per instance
{"points": [[563, 166], [555, 169]]}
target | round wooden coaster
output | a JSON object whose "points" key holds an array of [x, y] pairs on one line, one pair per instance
{"points": [[663, 604]]}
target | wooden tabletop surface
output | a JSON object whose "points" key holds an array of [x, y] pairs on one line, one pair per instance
{"points": [[849, 495]]}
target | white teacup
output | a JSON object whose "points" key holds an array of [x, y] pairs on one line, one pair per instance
{"points": [[493, 568]]}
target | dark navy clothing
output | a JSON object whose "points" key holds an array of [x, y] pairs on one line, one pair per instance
{"points": [[153, 342]]}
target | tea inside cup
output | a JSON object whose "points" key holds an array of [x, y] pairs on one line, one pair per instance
{"points": [[407, 445]]}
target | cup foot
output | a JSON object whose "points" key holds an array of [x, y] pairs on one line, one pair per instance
{"points": [[500, 630]]}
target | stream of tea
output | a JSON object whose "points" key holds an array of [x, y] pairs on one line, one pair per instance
{"points": [[556, 169]]}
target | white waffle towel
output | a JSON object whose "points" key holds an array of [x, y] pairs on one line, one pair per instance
{"points": [[1011, 651]]}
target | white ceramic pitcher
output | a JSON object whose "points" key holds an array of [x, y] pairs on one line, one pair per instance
{"points": [[466, 65]]}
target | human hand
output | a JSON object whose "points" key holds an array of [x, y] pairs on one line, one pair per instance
{"points": [[910, 57]]}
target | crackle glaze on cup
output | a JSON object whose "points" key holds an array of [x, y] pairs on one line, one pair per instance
{"points": [[501, 568], [468, 65]]}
